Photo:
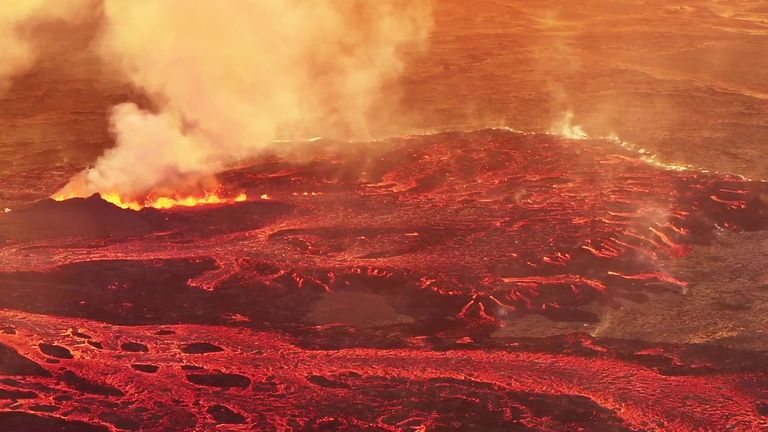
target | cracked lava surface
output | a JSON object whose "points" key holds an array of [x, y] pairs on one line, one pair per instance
{"points": [[377, 289]]}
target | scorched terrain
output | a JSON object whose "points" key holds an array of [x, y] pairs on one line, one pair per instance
{"points": [[403, 286], [484, 280]]}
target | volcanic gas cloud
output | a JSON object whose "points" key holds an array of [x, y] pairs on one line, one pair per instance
{"points": [[224, 80]]}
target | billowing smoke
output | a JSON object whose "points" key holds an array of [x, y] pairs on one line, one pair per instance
{"points": [[17, 19], [225, 79]]}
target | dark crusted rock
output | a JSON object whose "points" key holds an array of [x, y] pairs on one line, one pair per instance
{"points": [[95, 344], [224, 415], [17, 394], [80, 335], [762, 408], [55, 351], [222, 380], [86, 386], [200, 348], [45, 408], [79, 217], [147, 368], [134, 347], [120, 421], [192, 367], [165, 332], [322, 381], [22, 421], [13, 363]]}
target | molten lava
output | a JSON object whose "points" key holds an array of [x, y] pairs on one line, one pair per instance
{"points": [[411, 284], [164, 202]]}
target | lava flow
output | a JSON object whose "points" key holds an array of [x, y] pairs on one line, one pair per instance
{"points": [[458, 281]]}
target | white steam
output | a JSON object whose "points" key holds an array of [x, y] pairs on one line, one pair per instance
{"points": [[17, 49], [226, 78]]}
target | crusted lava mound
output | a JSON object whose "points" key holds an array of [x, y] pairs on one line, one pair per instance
{"points": [[377, 288], [93, 217], [77, 217]]}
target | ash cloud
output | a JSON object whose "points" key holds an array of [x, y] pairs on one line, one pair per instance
{"points": [[226, 79]]}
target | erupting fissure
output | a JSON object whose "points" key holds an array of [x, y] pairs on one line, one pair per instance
{"points": [[409, 266], [164, 202]]}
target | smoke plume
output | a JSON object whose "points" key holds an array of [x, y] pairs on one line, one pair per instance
{"points": [[226, 79], [17, 18]]}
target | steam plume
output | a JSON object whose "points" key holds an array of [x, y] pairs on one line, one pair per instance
{"points": [[227, 78], [566, 128], [16, 18]]}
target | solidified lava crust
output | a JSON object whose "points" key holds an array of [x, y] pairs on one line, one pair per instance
{"points": [[370, 291]]}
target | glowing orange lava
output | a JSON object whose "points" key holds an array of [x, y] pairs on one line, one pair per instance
{"points": [[164, 202]]}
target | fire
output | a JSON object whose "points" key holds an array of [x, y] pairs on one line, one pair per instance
{"points": [[164, 202], [567, 129]]}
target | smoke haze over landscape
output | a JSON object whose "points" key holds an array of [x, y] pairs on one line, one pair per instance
{"points": [[358, 215], [261, 70]]}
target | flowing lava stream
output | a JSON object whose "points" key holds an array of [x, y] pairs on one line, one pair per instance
{"points": [[375, 290]]}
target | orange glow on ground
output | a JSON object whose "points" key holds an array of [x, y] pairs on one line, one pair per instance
{"points": [[164, 202]]}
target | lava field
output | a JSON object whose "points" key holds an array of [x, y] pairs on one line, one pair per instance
{"points": [[377, 287]]}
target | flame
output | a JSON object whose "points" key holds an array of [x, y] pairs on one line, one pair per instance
{"points": [[648, 157], [163, 202], [567, 129]]}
